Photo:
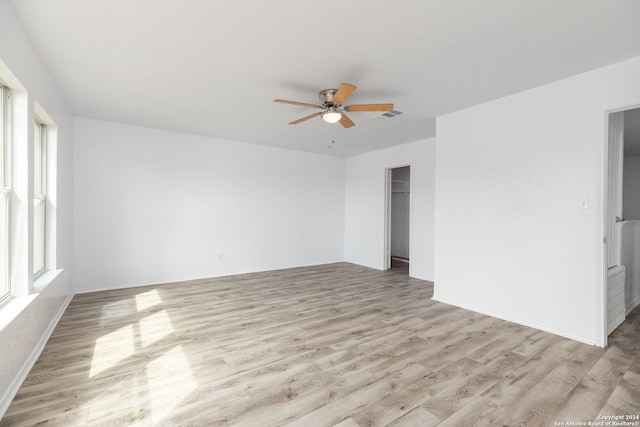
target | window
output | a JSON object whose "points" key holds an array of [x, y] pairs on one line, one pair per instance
{"points": [[39, 196], [5, 192]]}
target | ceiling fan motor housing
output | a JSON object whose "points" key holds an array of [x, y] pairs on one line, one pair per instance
{"points": [[326, 97]]}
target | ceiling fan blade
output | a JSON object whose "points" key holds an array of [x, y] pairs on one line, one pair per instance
{"points": [[344, 91], [303, 104], [369, 107], [346, 122], [310, 116]]}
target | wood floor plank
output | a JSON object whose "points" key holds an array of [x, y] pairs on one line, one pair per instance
{"points": [[349, 422], [456, 397], [478, 412], [418, 417], [330, 345], [625, 399], [596, 387], [540, 405]]}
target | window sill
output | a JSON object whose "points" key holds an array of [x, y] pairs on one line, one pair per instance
{"points": [[42, 281], [12, 308]]}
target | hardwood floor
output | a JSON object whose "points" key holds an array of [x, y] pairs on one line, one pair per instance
{"points": [[319, 346]]}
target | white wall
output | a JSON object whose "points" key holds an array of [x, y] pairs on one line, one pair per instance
{"points": [[511, 238], [27, 321], [365, 205], [157, 206], [631, 188]]}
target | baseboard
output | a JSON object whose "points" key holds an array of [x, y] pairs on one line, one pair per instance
{"points": [[519, 322], [169, 281], [12, 390], [632, 306], [114, 287]]}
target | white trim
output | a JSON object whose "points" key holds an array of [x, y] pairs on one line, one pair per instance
{"points": [[633, 305], [43, 280], [386, 265], [6, 169], [411, 192], [520, 322], [117, 287], [12, 390], [600, 309], [168, 281], [388, 174]]}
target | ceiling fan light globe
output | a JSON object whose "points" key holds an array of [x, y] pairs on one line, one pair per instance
{"points": [[331, 116]]}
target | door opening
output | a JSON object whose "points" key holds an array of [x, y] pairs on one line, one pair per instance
{"points": [[398, 190], [622, 216]]}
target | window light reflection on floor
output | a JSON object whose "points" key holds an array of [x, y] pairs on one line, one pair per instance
{"points": [[154, 327], [160, 385], [122, 343], [147, 299], [169, 382], [111, 349], [153, 392]]}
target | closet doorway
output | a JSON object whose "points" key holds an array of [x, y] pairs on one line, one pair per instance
{"points": [[398, 222], [622, 216]]}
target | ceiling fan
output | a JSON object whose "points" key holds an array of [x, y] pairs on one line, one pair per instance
{"points": [[331, 102]]}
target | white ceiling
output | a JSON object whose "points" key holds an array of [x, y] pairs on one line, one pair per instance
{"points": [[213, 67]]}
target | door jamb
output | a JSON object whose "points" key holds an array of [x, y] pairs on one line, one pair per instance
{"points": [[387, 219], [601, 226], [387, 215]]}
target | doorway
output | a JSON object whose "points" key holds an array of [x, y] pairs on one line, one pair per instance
{"points": [[398, 229], [622, 216]]}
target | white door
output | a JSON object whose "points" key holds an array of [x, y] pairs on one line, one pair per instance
{"points": [[614, 187], [614, 220]]}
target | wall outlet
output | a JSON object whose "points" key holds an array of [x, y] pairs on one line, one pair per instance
{"points": [[220, 256], [583, 202]]}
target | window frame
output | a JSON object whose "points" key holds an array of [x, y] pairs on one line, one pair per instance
{"points": [[5, 190], [40, 160]]}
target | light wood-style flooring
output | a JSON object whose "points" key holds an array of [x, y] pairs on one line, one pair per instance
{"points": [[327, 345]]}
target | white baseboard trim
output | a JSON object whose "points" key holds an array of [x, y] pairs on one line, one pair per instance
{"points": [[169, 280], [12, 390], [116, 287], [632, 306], [520, 322]]}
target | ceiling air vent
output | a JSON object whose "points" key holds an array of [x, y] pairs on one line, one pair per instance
{"points": [[389, 114]]}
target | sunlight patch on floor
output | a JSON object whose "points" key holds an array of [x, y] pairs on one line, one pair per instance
{"points": [[154, 328], [147, 299], [115, 310], [169, 382], [111, 349], [107, 406]]}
